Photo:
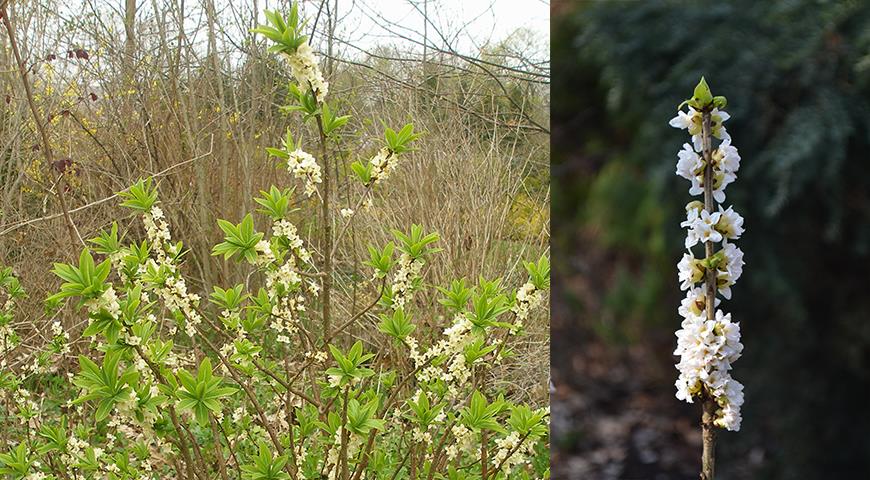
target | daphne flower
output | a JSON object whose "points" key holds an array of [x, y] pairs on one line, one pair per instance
{"points": [[690, 271], [303, 166], [730, 400], [528, 297], [383, 164], [707, 347], [726, 158], [693, 122], [730, 270], [695, 303], [701, 225], [304, 68], [730, 223], [690, 121], [690, 164]]}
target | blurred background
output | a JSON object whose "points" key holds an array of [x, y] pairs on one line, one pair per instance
{"points": [[797, 78]]}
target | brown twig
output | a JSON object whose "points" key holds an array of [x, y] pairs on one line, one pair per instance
{"points": [[46, 145], [16, 226]]}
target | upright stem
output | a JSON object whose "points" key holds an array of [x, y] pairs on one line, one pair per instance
{"points": [[326, 219], [342, 454], [484, 462], [708, 434]]}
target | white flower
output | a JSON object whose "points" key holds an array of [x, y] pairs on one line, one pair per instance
{"points": [[528, 297], [690, 271], [347, 212], [303, 166], [303, 66], [56, 328], [695, 303], [690, 164], [404, 280], [726, 158], [731, 400], [690, 121], [706, 349], [107, 301], [730, 223], [730, 270], [383, 165], [701, 225]]}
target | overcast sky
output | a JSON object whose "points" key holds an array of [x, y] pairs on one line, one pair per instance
{"points": [[484, 21], [469, 24]]}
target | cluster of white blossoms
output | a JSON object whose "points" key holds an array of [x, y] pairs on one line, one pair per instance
{"points": [[108, 301], [173, 292], [404, 278], [304, 67], [702, 226], [463, 441], [383, 164], [284, 283], [354, 444], [708, 346], [706, 349], [303, 166], [454, 370], [528, 298], [512, 451], [693, 122]]}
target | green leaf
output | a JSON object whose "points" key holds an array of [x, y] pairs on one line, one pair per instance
{"points": [[702, 96], [456, 296], [539, 273], [362, 171], [275, 202], [481, 415], [415, 243], [399, 142], [239, 239], [264, 466], [202, 393], [397, 325], [141, 196]]}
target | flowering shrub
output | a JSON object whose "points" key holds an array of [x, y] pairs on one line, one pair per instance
{"points": [[708, 342], [252, 380]]}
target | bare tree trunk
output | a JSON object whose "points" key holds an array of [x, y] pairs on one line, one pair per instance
{"points": [[202, 191], [130, 44]]}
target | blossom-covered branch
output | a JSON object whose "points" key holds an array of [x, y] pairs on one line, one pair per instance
{"points": [[708, 341]]}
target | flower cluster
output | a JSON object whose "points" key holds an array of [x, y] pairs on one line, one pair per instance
{"points": [[463, 439], [383, 164], [708, 343], [173, 288], [404, 280], [512, 451], [693, 122], [706, 349], [454, 371], [303, 166], [304, 67], [283, 281], [528, 298]]}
